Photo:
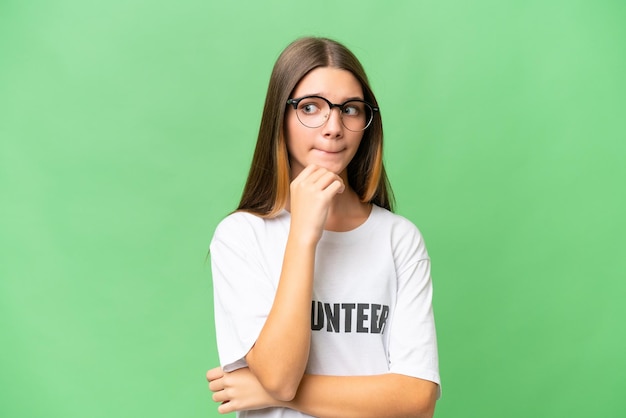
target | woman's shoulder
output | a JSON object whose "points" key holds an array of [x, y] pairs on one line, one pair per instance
{"points": [[237, 219], [243, 223], [394, 220], [402, 231]]}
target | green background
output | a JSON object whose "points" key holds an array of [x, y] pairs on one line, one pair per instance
{"points": [[127, 129]]}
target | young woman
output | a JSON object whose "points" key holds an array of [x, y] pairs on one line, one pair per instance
{"points": [[322, 294]]}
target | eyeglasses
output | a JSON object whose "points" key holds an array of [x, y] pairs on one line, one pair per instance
{"points": [[314, 111]]}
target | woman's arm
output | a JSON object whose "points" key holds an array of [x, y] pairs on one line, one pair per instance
{"points": [[379, 396], [279, 356]]}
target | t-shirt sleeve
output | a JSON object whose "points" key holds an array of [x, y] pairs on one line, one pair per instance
{"points": [[413, 340], [243, 292]]}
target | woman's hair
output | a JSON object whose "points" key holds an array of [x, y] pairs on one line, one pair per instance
{"points": [[267, 188]]}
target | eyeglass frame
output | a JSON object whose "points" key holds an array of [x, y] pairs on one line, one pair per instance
{"points": [[295, 102]]}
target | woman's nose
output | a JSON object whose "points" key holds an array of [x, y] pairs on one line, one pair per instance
{"points": [[334, 125]]}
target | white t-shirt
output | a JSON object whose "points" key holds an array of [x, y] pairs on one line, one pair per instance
{"points": [[371, 311]]}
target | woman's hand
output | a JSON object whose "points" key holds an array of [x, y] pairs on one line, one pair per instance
{"points": [[238, 390], [311, 194]]}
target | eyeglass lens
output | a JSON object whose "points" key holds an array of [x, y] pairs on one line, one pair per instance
{"points": [[313, 113]]}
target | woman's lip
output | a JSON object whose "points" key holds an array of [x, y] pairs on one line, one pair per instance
{"points": [[327, 151]]}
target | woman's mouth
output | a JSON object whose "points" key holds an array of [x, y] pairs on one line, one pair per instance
{"points": [[324, 151]]}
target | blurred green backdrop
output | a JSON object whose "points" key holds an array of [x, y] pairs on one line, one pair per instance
{"points": [[126, 132]]}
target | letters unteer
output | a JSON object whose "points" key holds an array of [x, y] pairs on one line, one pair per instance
{"points": [[349, 317]]}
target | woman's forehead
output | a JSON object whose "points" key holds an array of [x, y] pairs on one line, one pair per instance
{"points": [[335, 84]]}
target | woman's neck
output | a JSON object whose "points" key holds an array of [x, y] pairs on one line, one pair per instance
{"points": [[347, 212]]}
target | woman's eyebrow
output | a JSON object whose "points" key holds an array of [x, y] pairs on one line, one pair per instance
{"points": [[354, 98], [324, 96]]}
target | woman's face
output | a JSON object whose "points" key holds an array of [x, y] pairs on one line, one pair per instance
{"points": [[331, 145]]}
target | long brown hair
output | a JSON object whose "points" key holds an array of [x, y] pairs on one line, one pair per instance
{"points": [[267, 188]]}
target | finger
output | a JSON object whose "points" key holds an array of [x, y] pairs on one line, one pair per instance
{"points": [[220, 396], [318, 174], [216, 385], [329, 179], [311, 177], [226, 408], [335, 187], [305, 173], [215, 373]]}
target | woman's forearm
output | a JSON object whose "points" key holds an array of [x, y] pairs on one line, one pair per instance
{"points": [[379, 396], [280, 354]]}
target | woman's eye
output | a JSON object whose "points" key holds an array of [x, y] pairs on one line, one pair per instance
{"points": [[309, 108], [351, 110]]}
